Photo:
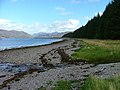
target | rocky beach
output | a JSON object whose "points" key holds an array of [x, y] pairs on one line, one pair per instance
{"points": [[30, 68]]}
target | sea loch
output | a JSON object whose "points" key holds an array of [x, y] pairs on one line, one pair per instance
{"points": [[8, 43]]}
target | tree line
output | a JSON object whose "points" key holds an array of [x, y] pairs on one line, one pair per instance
{"points": [[106, 26]]}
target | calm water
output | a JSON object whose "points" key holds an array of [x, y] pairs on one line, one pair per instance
{"points": [[7, 43]]}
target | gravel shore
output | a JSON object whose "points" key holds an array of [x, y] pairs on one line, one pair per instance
{"points": [[55, 57], [34, 54]]}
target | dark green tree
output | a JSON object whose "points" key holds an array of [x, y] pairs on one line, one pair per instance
{"points": [[106, 26]]}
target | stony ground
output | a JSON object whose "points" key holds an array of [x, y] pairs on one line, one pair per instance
{"points": [[53, 56]]}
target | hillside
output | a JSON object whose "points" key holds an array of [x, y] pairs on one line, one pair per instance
{"points": [[49, 35], [13, 34], [106, 26]]}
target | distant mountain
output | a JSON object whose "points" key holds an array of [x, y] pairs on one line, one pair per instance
{"points": [[106, 26], [13, 34], [49, 35]]}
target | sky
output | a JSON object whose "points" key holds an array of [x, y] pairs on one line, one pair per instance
{"points": [[33, 16]]}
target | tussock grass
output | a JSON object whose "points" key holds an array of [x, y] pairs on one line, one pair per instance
{"points": [[63, 85], [66, 85], [95, 83], [98, 51], [92, 83]]}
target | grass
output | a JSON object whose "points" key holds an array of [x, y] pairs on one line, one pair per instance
{"points": [[94, 83], [49, 82], [66, 85], [41, 88], [98, 51], [94, 51]]}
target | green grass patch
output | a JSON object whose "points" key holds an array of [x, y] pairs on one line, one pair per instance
{"points": [[66, 85], [41, 88], [98, 51], [94, 83]]}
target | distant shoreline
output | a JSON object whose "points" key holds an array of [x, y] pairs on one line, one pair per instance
{"points": [[23, 47], [32, 54]]}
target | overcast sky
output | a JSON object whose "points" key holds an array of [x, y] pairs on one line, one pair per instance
{"points": [[34, 16]]}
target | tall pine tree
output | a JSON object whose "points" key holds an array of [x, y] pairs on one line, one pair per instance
{"points": [[105, 27]]}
